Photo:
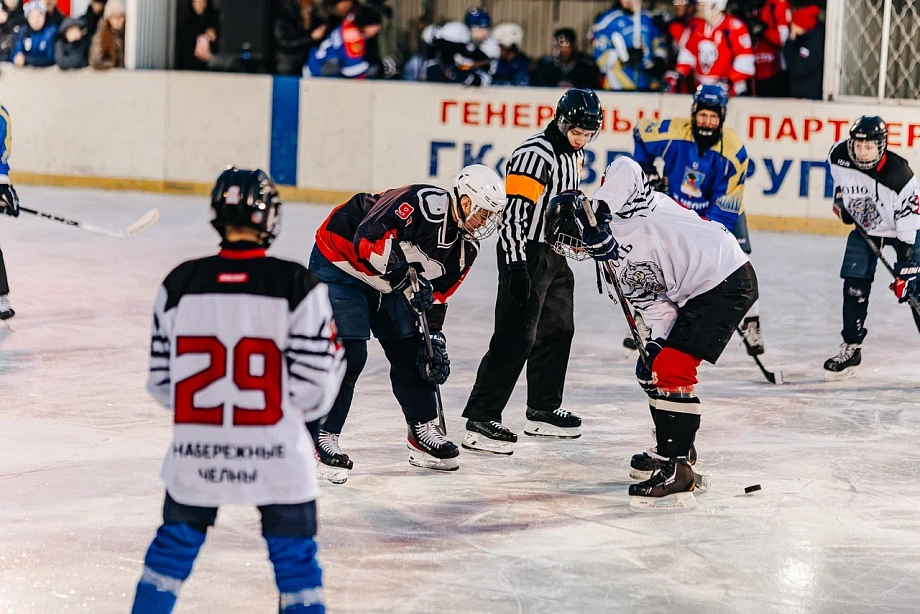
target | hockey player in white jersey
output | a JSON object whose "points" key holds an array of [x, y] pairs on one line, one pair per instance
{"points": [[691, 282], [245, 353], [877, 189]]}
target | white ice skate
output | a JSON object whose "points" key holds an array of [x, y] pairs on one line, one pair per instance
{"points": [[429, 449]]}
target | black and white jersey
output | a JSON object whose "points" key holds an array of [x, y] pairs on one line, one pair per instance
{"points": [[884, 200], [541, 168], [244, 351]]}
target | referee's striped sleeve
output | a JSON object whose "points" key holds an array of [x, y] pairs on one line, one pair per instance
{"points": [[525, 182]]}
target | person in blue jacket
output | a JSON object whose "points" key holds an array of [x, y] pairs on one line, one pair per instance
{"points": [[35, 45], [343, 53], [624, 66], [705, 166]]}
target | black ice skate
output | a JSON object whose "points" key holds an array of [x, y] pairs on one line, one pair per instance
{"points": [[6, 310], [844, 364], [643, 465], [429, 449], [669, 488], [750, 328], [489, 436], [332, 464], [557, 423]]}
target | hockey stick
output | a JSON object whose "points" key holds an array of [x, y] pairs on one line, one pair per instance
{"points": [[423, 319], [772, 377], [607, 272], [140, 225], [911, 300]]}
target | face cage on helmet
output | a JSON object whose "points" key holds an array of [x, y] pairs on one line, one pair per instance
{"points": [[485, 230], [570, 247], [881, 143], [565, 125]]}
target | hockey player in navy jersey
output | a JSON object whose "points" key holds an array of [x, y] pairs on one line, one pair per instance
{"points": [[364, 251], [877, 189], [244, 353], [705, 167], [9, 204]]}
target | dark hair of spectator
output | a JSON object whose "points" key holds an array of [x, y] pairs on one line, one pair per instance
{"points": [[367, 16], [566, 34]]}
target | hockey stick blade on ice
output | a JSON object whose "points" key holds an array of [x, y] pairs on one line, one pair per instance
{"points": [[138, 226], [774, 377], [423, 320], [912, 301]]}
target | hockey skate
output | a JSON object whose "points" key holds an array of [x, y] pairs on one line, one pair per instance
{"points": [[429, 449], [670, 488], [332, 464], [643, 465], [750, 329], [489, 436], [844, 364], [6, 310], [557, 423]]}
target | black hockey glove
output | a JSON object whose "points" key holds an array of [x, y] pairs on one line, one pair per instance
{"points": [[904, 285], [9, 200], [643, 372], [656, 180], [519, 282], [839, 210], [437, 369], [599, 241], [636, 55], [420, 301]]}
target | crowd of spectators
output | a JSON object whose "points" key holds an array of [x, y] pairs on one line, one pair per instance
{"points": [[38, 34]]}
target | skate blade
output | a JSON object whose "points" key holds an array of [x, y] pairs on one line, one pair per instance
{"points": [[701, 482], [481, 443], [672, 503], [418, 458], [542, 429], [335, 475], [836, 376]]}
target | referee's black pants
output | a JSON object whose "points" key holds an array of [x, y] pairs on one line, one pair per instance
{"points": [[538, 333]]}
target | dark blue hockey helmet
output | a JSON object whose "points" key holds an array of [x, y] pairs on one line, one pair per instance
{"points": [[710, 97], [560, 228], [868, 129], [246, 199], [579, 108], [477, 17]]}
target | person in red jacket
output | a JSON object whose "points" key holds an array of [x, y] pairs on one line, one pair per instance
{"points": [[716, 48], [770, 35]]}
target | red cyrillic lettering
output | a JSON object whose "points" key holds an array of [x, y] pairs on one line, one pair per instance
{"points": [[752, 122], [521, 116], [618, 122], [838, 127], [446, 104], [894, 133], [544, 114], [471, 113], [809, 122], [786, 129], [499, 112], [913, 132]]}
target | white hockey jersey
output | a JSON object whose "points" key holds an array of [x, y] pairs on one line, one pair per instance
{"points": [[668, 253], [884, 200], [244, 351]]}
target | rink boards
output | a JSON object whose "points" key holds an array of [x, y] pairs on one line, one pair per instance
{"points": [[174, 132]]}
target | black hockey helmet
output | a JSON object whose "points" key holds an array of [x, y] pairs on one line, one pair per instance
{"points": [[579, 109], [246, 199], [560, 228], [872, 129]]}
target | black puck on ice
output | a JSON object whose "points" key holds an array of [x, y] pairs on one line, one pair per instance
{"points": [[748, 490]]}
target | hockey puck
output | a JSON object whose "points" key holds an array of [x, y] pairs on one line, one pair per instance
{"points": [[751, 489]]}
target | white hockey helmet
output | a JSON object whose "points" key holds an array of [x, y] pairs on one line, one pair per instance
{"points": [[508, 34], [711, 8], [486, 192]]}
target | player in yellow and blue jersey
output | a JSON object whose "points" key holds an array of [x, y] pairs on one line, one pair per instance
{"points": [[9, 204], [705, 166]]}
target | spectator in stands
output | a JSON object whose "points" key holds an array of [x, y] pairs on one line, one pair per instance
{"points": [[343, 53], [804, 54], [196, 36], [623, 64], [716, 49], [463, 52], [11, 20], [337, 11], [566, 67], [35, 43], [414, 69], [108, 48], [92, 16], [53, 14], [513, 65], [672, 28], [71, 50], [768, 21], [390, 48], [298, 29]]}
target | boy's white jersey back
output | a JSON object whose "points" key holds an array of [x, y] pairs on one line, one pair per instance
{"points": [[244, 351]]}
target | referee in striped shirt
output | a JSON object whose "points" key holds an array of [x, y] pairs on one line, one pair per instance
{"points": [[534, 321]]}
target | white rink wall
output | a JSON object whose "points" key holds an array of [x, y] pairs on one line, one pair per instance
{"points": [[174, 131]]}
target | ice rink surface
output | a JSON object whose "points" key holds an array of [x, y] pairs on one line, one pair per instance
{"points": [[836, 527]]}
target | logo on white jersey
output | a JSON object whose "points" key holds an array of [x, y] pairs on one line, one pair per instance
{"points": [[708, 54], [865, 212], [643, 282]]}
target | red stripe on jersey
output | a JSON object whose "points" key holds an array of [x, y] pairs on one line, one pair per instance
{"points": [[245, 254], [441, 297], [337, 248], [367, 248], [232, 278]]}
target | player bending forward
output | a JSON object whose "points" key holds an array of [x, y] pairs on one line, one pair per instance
{"points": [[364, 251], [244, 351], [876, 189], [693, 284]]}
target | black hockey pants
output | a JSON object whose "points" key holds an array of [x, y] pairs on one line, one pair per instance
{"points": [[538, 333], [4, 282]]}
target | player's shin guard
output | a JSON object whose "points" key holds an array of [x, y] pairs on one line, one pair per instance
{"points": [[167, 565], [297, 574], [676, 409], [855, 308]]}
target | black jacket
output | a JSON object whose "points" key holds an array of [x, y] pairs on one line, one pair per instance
{"points": [[805, 59], [72, 55], [9, 31], [580, 71], [292, 41], [193, 26]]}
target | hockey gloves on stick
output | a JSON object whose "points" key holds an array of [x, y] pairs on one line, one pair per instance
{"points": [[904, 285], [9, 200], [643, 372], [422, 300], [437, 369], [519, 282], [599, 241], [839, 210]]}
